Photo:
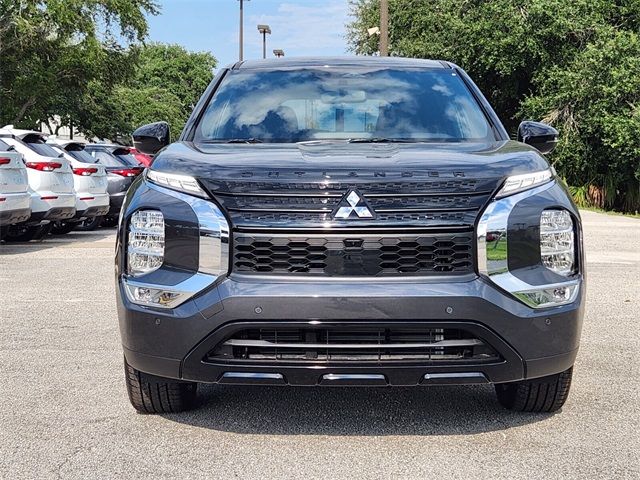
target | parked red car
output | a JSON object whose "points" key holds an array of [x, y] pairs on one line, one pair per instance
{"points": [[143, 158]]}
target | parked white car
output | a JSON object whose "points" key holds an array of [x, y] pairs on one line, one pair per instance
{"points": [[90, 183], [15, 199], [50, 185]]}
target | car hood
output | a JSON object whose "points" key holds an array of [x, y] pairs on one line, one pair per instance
{"points": [[320, 160]]}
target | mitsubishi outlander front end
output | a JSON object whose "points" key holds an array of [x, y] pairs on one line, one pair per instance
{"points": [[358, 221]]}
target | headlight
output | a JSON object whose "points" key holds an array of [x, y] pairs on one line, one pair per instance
{"points": [[182, 183], [557, 242], [519, 183], [557, 250], [146, 244], [145, 248]]}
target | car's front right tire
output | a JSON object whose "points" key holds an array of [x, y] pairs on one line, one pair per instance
{"points": [[151, 394], [541, 395]]}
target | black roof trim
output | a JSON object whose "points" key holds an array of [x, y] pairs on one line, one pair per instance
{"points": [[354, 61]]}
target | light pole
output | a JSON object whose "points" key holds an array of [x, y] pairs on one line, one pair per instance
{"points": [[240, 39], [264, 29], [384, 28], [278, 52]]}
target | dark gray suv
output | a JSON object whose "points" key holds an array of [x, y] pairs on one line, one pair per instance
{"points": [[348, 221]]}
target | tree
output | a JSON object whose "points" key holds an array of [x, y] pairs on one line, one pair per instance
{"points": [[52, 49], [539, 59], [596, 100], [166, 83]]}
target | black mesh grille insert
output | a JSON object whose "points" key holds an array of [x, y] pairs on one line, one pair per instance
{"points": [[353, 255], [353, 344]]}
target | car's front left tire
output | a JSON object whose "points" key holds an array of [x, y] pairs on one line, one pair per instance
{"points": [[151, 394], [540, 395]]}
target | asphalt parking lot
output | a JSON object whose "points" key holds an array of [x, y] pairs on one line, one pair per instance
{"points": [[64, 411]]}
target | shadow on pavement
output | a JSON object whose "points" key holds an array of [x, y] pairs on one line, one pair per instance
{"points": [[52, 241], [352, 411]]}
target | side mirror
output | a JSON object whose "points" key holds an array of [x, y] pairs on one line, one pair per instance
{"points": [[152, 137], [539, 135]]}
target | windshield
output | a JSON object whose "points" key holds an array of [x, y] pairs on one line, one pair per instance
{"points": [[428, 105]]}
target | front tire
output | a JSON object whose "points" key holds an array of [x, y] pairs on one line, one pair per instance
{"points": [[540, 395], [151, 394]]}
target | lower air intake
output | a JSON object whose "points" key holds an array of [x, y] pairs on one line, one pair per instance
{"points": [[353, 345]]}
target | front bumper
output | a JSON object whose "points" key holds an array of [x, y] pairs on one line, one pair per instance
{"points": [[174, 343]]}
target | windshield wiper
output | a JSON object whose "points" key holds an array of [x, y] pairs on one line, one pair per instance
{"points": [[380, 140], [234, 140]]}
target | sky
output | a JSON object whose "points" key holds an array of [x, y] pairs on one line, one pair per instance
{"points": [[299, 27]]}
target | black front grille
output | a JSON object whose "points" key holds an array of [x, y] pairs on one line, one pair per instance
{"points": [[353, 255], [376, 185], [418, 202], [353, 345], [283, 219]]}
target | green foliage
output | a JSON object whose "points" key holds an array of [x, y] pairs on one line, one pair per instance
{"points": [[573, 64], [51, 50], [165, 84], [83, 62], [581, 196], [595, 99]]}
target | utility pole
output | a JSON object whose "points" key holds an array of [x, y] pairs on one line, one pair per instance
{"points": [[384, 28], [240, 39]]}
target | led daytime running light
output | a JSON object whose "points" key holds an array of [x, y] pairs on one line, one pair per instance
{"points": [[525, 181], [182, 183]]}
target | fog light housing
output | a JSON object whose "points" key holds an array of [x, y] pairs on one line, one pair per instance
{"points": [[557, 244], [153, 296], [165, 296], [550, 295], [145, 247]]}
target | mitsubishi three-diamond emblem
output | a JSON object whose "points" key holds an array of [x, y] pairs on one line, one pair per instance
{"points": [[355, 207]]}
